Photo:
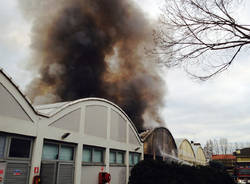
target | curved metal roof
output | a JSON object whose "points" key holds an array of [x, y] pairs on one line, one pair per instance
{"points": [[18, 90], [49, 110], [144, 135]]}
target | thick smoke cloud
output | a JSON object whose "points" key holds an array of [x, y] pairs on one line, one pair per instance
{"points": [[94, 48]]}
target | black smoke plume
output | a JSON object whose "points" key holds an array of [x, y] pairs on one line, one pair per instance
{"points": [[94, 48]]}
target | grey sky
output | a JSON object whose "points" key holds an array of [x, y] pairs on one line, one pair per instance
{"points": [[196, 110]]}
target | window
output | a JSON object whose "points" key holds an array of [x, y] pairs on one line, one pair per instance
{"points": [[97, 156], [2, 145], [66, 153], [92, 154], [116, 157], [57, 151], [19, 148], [112, 156], [86, 155], [134, 158], [50, 151]]}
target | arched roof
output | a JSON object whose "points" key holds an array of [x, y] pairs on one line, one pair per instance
{"points": [[144, 135], [159, 141], [49, 110], [198, 149], [179, 141], [14, 90]]}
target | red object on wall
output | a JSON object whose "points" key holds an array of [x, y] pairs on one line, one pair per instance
{"points": [[1, 171], [104, 177], [36, 180], [36, 170]]}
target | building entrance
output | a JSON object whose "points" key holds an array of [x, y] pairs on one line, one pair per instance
{"points": [[57, 163]]}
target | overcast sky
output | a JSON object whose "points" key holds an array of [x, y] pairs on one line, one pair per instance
{"points": [[195, 110]]}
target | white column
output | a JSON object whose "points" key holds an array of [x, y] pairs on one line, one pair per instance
{"points": [[127, 152], [36, 157], [107, 159], [108, 138], [127, 165], [78, 164]]}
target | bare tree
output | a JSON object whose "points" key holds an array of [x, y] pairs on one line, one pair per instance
{"points": [[236, 145], [230, 148], [223, 144], [209, 149], [216, 147], [203, 36]]}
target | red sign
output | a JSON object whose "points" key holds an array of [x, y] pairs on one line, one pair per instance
{"points": [[17, 172], [1, 171], [36, 170]]}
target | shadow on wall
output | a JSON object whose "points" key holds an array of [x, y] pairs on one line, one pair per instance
{"points": [[159, 172]]}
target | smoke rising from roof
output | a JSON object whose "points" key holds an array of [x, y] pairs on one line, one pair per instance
{"points": [[94, 48]]}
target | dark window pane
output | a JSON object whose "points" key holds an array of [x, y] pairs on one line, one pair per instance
{"points": [[2, 145], [19, 148], [131, 161], [136, 158]]}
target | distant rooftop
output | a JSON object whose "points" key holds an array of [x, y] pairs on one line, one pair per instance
{"points": [[223, 157]]}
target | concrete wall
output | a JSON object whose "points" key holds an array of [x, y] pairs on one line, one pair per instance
{"points": [[118, 125], [89, 174], [70, 121], [96, 120], [118, 175], [132, 137]]}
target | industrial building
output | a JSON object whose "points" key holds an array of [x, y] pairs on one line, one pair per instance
{"points": [[228, 161], [159, 144], [72, 142], [185, 151], [200, 158], [242, 165], [68, 142], [190, 153]]}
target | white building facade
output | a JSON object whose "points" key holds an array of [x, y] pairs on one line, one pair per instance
{"points": [[69, 142]]}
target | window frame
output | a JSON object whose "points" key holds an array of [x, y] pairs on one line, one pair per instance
{"points": [[116, 153], [60, 144], [133, 158], [92, 148], [5, 147], [8, 144]]}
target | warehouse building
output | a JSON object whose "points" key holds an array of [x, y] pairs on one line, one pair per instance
{"points": [[69, 142], [185, 151], [228, 161], [200, 158], [190, 153], [159, 144]]}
